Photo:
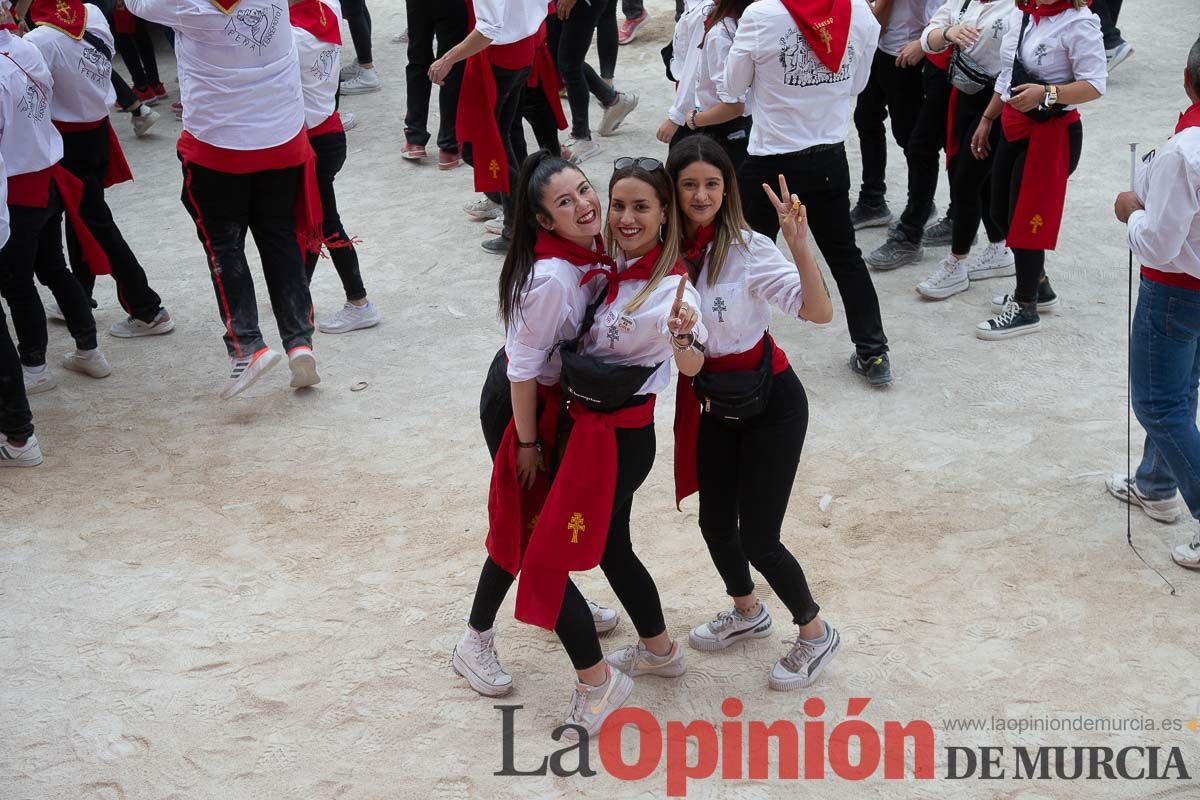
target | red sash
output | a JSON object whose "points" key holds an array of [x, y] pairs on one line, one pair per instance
{"points": [[826, 26], [332, 124], [314, 17], [941, 60], [118, 170], [1182, 280], [32, 190], [572, 529], [545, 76], [1039, 211], [951, 133], [513, 510], [68, 16], [687, 410]]}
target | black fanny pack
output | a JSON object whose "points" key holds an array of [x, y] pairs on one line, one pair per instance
{"points": [[1021, 75], [598, 385], [737, 395]]}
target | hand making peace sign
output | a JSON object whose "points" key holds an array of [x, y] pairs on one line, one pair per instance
{"points": [[793, 216]]}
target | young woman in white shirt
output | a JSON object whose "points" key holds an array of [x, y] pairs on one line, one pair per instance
{"points": [[973, 30], [741, 452], [724, 119], [1052, 60]]}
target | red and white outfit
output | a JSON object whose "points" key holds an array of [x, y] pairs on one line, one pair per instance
{"points": [[1165, 235]]}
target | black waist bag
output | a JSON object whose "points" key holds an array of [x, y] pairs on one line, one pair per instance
{"points": [[737, 395], [1021, 75], [495, 385], [597, 384]]}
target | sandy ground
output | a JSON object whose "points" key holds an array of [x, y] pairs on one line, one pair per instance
{"points": [[258, 599]]}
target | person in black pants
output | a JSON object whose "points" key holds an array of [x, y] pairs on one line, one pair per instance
{"points": [[18, 446], [579, 21], [447, 22], [360, 77], [1115, 47], [137, 49]]}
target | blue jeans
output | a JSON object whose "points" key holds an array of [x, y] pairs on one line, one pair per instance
{"points": [[1164, 364]]}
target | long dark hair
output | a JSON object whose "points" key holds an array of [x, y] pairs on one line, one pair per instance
{"points": [[668, 234], [730, 224], [724, 9], [536, 173]]}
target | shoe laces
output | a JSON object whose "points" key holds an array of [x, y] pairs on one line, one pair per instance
{"points": [[575, 713], [1011, 309], [992, 250], [799, 656], [723, 620], [486, 657], [944, 271], [629, 654]]}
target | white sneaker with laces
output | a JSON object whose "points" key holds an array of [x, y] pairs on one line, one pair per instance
{"points": [[591, 705], [351, 318], [245, 371], [133, 328], [87, 362], [144, 121], [605, 618], [28, 455], [947, 280], [349, 71], [805, 661], [730, 627], [38, 380], [637, 660], [1185, 555], [303, 365], [581, 149], [363, 82], [615, 114], [1123, 487], [483, 209], [55, 313], [476, 660], [994, 261]]}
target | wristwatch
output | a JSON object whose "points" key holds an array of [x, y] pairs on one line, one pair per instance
{"points": [[1051, 97]]}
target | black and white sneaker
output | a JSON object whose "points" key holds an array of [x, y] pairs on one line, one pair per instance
{"points": [[897, 251], [876, 369], [865, 216], [1047, 299], [1015, 320], [940, 233], [805, 661], [730, 627]]}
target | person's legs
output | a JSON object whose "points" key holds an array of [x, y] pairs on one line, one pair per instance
{"points": [[1108, 11], [970, 185], [632, 9], [422, 26], [16, 421], [145, 46], [17, 260], [606, 40], [358, 20], [920, 129], [52, 272], [755, 171], [272, 222], [870, 112], [126, 99], [536, 110], [331, 156], [575, 39], [451, 29], [718, 470], [510, 84], [490, 592], [127, 46]]}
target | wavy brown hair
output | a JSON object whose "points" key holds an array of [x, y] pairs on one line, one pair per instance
{"points": [[730, 224]]}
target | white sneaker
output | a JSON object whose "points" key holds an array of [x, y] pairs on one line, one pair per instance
{"points": [[1124, 488], [303, 365], [363, 82], [349, 120], [804, 662], [591, 705], [132, 327], [55, 313], [38, 380], [400, 38], [30, 455], [947, 280], [605, 618], [482, 209], [143, 122], [475, 659], [87, 362], [351, 318], [636, 660], [994, 261], [349, 71], [495, 226], [615, 114], [1118, 54], [1185, 555], [581, 149], [730, 627], [248, 370]]}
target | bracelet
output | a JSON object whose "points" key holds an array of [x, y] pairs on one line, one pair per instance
{"points": [[535, 444], [691, 120]]}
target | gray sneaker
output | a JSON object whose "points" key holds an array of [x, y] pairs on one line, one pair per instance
{"points": [[939, 233], [133, 328], [143, 122], [876, 369], [730, 627], [581, 149], [865, 216], [637, 660], [615, 114], [805, 661], [895, 252], [591, 705]]}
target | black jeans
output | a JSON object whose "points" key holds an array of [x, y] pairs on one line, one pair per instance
{"points": [[535, 109], [52, 272], [331, 155], [929, 135], [16, 421], [137, 50], [1008, 167], [510, 87], [224, 207], [746, 471], [971, 177], [447, 21], [899, 91], [1108, 11], [821, 178], [85, 155], [598, 17], [733, 136], [358, 20]]}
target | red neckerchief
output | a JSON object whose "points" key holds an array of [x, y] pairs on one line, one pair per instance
{"points": [[641, 271], [1189, 118], [551, 245], [68, 16], [314, 17], [9, 26], [693, 249], [1040, 12], [826, 26]]}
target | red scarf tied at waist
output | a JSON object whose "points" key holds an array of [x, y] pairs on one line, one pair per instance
{"points": [[1182, 280], [68, 16], [118, 170], [1038, 215], [951, 133], [641, 271], [545, 75], [32, 190], [826, 26], [687, 410], [572, 529]]}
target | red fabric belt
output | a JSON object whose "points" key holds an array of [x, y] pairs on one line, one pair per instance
{"points": [[32, 190], [1038, 214], [545, 76], [1180, 280], [941, 60], [517, 55], [118, 168], [332, 124], [951, 134]]}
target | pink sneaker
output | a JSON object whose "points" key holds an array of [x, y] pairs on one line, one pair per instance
{"points": [[413, 152], [629, 28], [448, 160]]}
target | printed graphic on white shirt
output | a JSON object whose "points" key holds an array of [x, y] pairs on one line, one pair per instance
{"points": [[95, 67], [34, 104], [324, 64], [801, 67], [252, 28]]}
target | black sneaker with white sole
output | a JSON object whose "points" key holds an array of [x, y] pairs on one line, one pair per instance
{"points": [[897, 251], [1047, 299], [876, 369], [1017, 319], [940, 233], [868, 216], [731, 627]]}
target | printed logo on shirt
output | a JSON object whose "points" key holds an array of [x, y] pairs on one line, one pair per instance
{"points": [[998, 28], [322, 67], [1040, 52], [719, 308], [254, 27], [802, 68], [576, 526], [34, 103], [95, 67]]}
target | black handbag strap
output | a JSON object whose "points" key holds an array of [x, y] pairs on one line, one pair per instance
{"points": [[589, 317], [1020, 41], [98, 43]]}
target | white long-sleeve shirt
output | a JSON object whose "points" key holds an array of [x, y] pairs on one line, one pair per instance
{"points": [[29, 142], [319, 70], [685, 58], [82, 74], [795, 101], [990, 17], [713, 57], [1060, 49], [508, 21], [1166, 235], [552, 309], [905, 23], [737, 310]]}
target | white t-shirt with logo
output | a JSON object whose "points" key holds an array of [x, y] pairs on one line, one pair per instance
{"points": [[83, 90], [319, 70], [29, 142]]}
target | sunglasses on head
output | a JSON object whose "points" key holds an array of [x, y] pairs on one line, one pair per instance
{"points": [[648, 164]]}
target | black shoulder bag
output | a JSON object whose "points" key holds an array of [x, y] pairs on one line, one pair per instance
{"points": [[98, 43], [597, 384], [738, 395], [1021, 75]]}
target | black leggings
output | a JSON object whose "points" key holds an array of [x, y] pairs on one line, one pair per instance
{"points": [[574, 41], [746, 471], [1007, 169], [971, 178], [358, 20], [137, 50], [331, 155]]}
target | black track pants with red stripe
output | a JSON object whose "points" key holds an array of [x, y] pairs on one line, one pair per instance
{"points": [[224, 206]]}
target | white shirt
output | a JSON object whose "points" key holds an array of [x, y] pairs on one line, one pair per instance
{"points": [[737, 311], [1060, 49], [3, 205], [29, 142], [685, 58], [640, 338], [904, 25], [796, 102], [713, 58], [82, 74], [992, 20], [239, 75], [509, 21], [319, 70], [552, 309], [1166, 236]]}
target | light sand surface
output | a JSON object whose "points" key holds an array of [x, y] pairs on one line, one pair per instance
{"points": [[258, 598]]}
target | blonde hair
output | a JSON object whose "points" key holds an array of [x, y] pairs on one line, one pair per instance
{"points": [[660, 182]]}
